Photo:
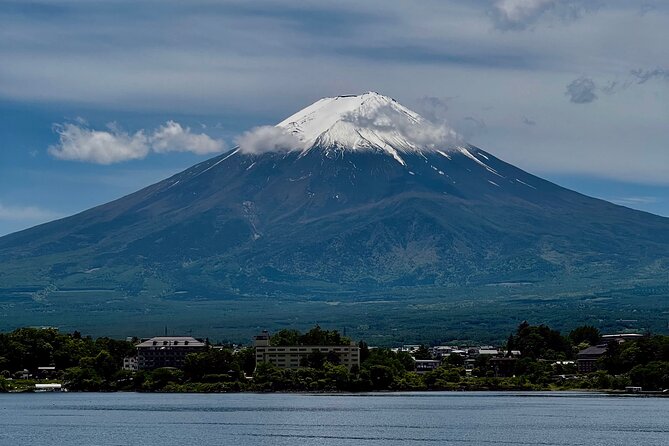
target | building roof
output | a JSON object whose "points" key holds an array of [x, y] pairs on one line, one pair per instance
{"points": [[171, 341], [596, 350], [487, 351]]}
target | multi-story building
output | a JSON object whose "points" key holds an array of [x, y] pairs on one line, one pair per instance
{"points": [[586, 360], [166, 351], [296, 356]]}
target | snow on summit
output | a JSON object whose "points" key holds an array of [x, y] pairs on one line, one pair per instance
{"points": [[364, 122]]}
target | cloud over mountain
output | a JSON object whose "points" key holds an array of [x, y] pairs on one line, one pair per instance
{"points": [[267, 138]]}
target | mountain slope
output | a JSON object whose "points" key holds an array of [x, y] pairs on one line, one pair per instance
{"points": [[367, 200]]}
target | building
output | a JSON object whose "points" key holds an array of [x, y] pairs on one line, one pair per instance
{"points": [[621, 337], [130, 363], [51, 387], [487, 351], [166, 351], [586, 359], [426, 365], [504, 367], [295, 356]]}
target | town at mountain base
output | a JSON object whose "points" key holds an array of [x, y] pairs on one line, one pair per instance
{"points": [[534, 357]]}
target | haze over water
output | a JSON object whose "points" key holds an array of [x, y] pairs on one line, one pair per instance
{"points": [[474, 418]]}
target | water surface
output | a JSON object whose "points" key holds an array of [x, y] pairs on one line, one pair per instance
{"points": [[485, 418]]}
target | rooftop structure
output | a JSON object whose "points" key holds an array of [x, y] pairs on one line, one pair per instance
{"points": [[166, 351], [587, 358]]}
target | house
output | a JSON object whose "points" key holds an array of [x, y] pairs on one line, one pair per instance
{"points": [[130, 363], [296, 356], [426, 365], [166, 351], [441, 351], [503, 367], [586, 359], [488, 351]]}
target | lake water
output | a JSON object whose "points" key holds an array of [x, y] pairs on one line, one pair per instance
{"points": [[489, 418]]}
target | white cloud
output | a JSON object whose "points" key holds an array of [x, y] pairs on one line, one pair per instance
{"points": [[77, 142], [520, 14], [172, 137], [428, 134], [101, 147], [267, 139]]}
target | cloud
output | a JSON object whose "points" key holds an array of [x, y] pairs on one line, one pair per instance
{"points": [[26, 213], [521, 14], [172, 137], [637, 76], [582, 90], [518, 14], [426, 134], [432, 108], [78, 142], [267, 138], [643, 76]]}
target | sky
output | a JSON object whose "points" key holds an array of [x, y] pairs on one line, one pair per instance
{"points": [[101, 98]]}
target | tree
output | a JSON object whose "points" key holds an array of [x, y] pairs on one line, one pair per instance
{"points": [[422, 353], [364, 351], [105, 365], [316, 359], [585, 333], [539, 341], [211, 362], [285, 337], [159, 378], [381, 377], [652, 376], [333, 358], [246, 358], [455, 359]]}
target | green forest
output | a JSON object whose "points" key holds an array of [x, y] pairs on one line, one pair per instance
{"points": [[87, 364]]}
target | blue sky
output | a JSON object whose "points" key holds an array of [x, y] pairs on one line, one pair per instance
{"points": [[100, 98]]}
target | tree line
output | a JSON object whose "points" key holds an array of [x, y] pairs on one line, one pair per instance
{"points": [[87, 364]]}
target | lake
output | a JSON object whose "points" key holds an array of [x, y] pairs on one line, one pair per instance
{"points": [[452, 418]]}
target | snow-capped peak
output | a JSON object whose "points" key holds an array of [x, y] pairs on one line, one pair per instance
{"points": [[366, 121]]}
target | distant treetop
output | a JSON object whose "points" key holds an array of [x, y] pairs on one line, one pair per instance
{"points": [[315, 336]]}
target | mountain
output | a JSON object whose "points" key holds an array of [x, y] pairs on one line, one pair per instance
{"points": [[352, 198]]}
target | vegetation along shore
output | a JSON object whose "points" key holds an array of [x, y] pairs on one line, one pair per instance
{"points": [[534, 357]]}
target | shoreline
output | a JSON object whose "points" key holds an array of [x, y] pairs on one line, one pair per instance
{"points": [[525, 392]]}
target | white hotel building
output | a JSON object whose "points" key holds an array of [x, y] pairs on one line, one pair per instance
{"points": [[293, 356]]}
